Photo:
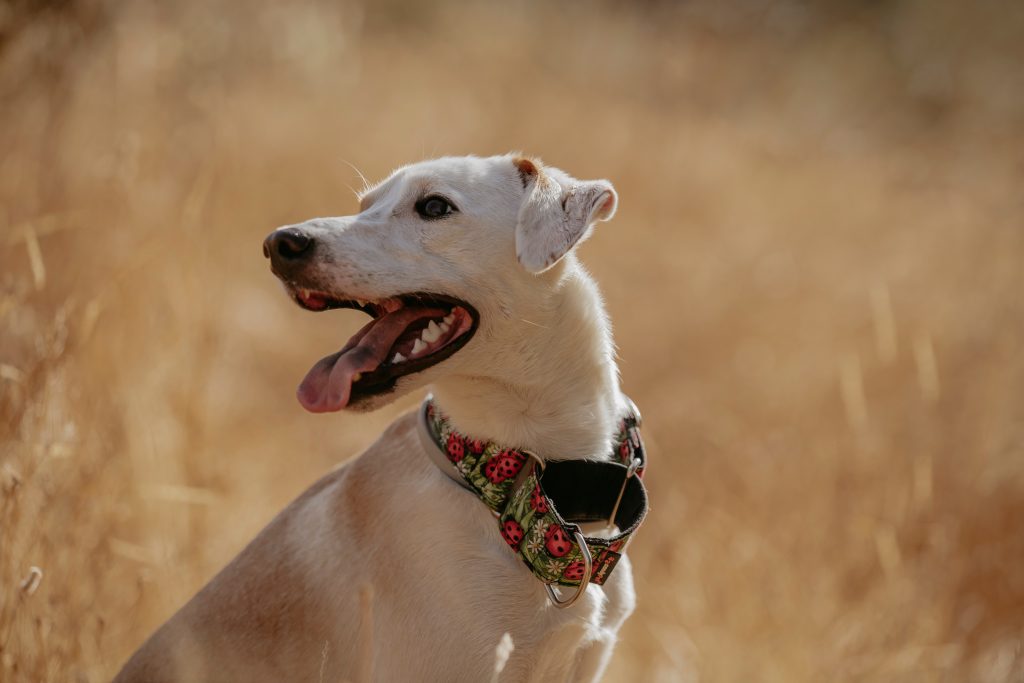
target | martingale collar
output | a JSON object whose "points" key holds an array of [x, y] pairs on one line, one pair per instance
{"points": [[540, 504]]}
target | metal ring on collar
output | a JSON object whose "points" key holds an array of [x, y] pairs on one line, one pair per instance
{"points": [[540, 460], [588, 568]]}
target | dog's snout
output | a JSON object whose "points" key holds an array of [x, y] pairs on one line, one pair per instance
{"points": [[287, 244]]}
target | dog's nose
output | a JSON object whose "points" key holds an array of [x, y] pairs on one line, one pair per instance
{"points": [[286, 244]]}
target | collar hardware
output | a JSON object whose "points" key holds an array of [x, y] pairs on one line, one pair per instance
{"points": [[588, 568], [540, 504]]}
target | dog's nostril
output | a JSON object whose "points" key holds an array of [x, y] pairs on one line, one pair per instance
{"points": [[292, 243], [288, 243]]}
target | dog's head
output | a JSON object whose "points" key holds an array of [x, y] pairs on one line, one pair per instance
{"points": [[451, 258]]}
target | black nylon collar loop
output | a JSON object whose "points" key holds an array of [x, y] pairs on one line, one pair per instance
{"points": [[592, 502]]}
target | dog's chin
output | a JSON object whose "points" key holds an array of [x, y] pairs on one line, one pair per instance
{"points": [[367, 403]]}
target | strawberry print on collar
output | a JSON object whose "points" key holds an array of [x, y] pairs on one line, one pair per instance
{"points": [[540, 505]]}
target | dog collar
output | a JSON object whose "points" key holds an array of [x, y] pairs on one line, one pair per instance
{"points": [[540, 504]]}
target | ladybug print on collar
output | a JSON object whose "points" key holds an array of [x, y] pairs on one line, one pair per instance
{"points": [[557, 541], [537, 500], [456, 448], [512, 533], [489, 470], [574, 571], [506, 465]]}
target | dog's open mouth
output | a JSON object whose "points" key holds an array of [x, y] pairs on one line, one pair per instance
{"points": [[409, 333]]}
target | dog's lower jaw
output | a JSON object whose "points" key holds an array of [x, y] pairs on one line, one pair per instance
{"points": [[403, 385], [370, 403], [566, 402]]}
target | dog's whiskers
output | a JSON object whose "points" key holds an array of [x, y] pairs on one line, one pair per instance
{"points": [[357, 193], [366, 183]]}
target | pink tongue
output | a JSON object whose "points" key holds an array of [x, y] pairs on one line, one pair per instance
{"points": [[328, 385]]}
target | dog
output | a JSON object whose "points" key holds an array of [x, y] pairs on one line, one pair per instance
{"points": [[386, 569]]}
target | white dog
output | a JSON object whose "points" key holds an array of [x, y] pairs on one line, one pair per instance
{"points": [[386, 569]]}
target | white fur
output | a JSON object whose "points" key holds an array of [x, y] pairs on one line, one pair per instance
{"points": [[539, 374]]}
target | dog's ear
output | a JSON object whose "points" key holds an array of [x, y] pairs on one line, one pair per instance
{"points": [[557, 213]]}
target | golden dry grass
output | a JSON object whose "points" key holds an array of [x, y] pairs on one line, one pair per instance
{"points": [[816, 277]]}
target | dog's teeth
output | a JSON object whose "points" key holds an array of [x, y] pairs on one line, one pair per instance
{"points": [[431, 333], [356, 377], [418, 346], [399, 358], [444, 327], [450, 318]]}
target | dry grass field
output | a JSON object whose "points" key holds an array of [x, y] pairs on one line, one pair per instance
{"points": [[816, 277]]}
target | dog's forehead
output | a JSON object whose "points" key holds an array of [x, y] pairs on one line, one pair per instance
{"points": [[463, 176], [460, 174], [457, 169]]}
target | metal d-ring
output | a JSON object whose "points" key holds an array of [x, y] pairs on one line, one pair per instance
{"points": [[540, 460], [588, 568]]}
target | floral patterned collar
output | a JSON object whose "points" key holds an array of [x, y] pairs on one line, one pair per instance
{"points": [[540, 506]]}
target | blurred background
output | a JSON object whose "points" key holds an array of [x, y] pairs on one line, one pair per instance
{"points": [[815, 276]]}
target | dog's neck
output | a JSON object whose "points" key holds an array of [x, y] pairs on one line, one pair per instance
{"points": [[559, 395]]}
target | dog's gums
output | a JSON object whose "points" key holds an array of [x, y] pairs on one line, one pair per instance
{"points": [[408, 334]]}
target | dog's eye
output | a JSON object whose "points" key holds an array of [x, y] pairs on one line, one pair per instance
{"points": [[433, 207]]}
